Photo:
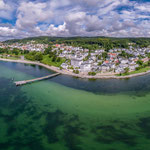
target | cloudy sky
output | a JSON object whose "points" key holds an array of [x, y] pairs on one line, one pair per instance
{"points": [[117, 18]]}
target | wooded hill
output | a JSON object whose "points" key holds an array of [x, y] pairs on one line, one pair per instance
{"points": [[88, 42]]}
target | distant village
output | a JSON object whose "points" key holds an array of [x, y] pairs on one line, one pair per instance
{"points": [[85, 60]]}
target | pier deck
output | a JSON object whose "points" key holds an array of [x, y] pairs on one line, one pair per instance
{"points": [[35, 80]]}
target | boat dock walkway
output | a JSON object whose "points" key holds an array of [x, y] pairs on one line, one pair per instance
{"points": [[35, 80]]}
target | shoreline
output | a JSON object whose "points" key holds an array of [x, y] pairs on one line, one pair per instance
{"points": [[66, 72]]}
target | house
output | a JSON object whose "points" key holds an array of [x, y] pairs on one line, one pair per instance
{"points": [[123, 65], [112, 55], [64, 66], [104, 68], [76, 61], [85, 67], [119, 70], [133, 67], [125, 61], [95, 68], [145, 59]]}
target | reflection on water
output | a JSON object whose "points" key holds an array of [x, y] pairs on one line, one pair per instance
{"points": [[49, 116]]}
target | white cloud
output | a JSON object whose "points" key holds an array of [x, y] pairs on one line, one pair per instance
{"points": [[145, 7], [75, 17], [29, 14], [5, 10]]}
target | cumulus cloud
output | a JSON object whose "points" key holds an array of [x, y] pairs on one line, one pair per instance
{"points": [[123, 18], [5, 10], [29, 14]]}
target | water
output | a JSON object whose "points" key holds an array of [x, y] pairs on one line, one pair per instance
{"points": [[66, 113]]}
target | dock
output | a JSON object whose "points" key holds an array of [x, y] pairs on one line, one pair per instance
{"points": [[18, 83]]}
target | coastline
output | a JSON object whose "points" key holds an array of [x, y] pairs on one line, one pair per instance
{"points": [[66, 72]]}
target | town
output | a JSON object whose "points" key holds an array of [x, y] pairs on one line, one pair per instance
{"points": [[85, 61]]}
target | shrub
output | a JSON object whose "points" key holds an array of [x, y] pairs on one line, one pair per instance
{"points": [[76, 71], [92, 73]]}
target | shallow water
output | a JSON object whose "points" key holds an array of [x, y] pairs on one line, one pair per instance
{"points": [[66, 113]]}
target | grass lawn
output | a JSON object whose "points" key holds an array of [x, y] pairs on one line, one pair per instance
{"points": [[136, 71], [48, 61]]}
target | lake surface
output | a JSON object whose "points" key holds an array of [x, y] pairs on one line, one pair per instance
{"points": [[66, 113]]}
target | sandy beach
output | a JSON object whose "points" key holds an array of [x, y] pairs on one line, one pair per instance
{"points": [[81, 75]]}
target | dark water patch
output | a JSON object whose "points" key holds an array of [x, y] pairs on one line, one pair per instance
{"points": [[138, 86], [38, 116], [28, 142], [11, 130], [71, 126], [20, 133], [53, 120], [73, 130], [71, 137], [4, 145], [109, 134], [144, 124]]}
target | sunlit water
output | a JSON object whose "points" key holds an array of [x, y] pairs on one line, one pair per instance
{"points": [[66, 113]]}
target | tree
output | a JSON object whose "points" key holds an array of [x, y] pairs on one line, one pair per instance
{"points": [[76, 71], [47, 50], [126, 70], [38, 56], [58, 59], [104, 55], [100, 63], [54, 58], [15, 51], [140, 62]]}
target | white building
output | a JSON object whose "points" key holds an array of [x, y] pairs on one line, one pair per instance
{"points": [[76, 61], [85, 67], [64, 66]]}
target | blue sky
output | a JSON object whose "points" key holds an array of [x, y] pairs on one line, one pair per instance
{"points": [[117, 18]]}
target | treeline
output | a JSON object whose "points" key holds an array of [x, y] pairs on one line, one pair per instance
{"points": [[15, 51], [47, 57], [91, 43]]}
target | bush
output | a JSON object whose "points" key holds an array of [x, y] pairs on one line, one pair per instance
{"points": [[140, 62], [137, 68], [60, 68], [76, 71], [92, 73], [58, 59], [54, 59]]}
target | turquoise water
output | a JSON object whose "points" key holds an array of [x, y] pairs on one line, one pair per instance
{"points": [[66, 113]]}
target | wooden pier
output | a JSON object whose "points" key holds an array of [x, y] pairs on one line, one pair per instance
{"points": [[35, 80]]}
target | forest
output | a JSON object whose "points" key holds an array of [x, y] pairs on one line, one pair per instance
{"points": [[90, 43]]}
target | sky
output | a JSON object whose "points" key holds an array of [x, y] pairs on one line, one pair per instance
{"points": [[68, 18]]}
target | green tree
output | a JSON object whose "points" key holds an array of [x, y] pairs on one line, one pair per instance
{"points": [[140, 62], [38, 56], [15, 51], [104, 55], [126, 70], [48, 50]]}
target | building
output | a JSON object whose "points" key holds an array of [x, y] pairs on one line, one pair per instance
{"points": [[76, 61], [85, 67]]}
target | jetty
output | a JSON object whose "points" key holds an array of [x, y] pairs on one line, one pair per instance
{"points": [[18, 83]]}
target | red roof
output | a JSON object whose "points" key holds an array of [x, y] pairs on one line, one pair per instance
{"points": [[106, 61], [113, 54]]}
